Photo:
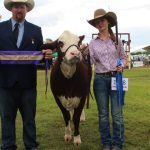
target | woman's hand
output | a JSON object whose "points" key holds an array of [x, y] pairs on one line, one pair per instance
{"points": [[119, 68]]}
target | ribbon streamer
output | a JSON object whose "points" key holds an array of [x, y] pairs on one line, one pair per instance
{"points": [[119, 85]]}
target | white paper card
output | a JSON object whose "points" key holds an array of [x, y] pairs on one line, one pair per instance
{"points": [[124, 82]]}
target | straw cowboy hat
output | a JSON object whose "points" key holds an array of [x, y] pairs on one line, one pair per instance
{"points": [[8, 3], [101, 13]]}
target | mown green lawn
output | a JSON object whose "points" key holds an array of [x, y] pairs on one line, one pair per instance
{"points": [[50, 124]]}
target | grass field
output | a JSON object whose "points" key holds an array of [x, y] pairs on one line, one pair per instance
{"points": [[50, 124]]}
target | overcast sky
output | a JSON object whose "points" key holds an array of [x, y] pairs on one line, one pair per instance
{"points": [[55, 16]]}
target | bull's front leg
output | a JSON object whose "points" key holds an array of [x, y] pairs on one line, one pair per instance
{"points": [[68, 136], [76, 121], [66, 115]]}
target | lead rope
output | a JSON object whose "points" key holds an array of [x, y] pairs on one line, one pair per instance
{"points": [[119, 83], [46, 76], [54, 55]]}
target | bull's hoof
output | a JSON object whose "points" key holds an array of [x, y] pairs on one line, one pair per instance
{"points": [[77, 140], [67, 138]]}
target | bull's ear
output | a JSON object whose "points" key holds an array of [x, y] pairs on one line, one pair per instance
{"points": [[61, 44], [81, 38]]}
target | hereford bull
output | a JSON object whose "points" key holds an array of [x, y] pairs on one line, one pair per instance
{"points": [[70, 81]]}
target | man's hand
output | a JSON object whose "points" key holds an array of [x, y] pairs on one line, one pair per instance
{"points": [[47, 53]]}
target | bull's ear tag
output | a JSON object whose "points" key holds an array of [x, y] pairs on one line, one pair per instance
{"points": [[55, 54]]}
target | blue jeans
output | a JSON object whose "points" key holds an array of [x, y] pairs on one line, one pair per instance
{"points": [[12, 100], [103, 93]]}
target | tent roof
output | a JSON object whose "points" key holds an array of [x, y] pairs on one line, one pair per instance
{"points": [[141, 48]]}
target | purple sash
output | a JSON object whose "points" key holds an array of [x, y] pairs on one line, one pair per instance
{"points": [[21, 57]]}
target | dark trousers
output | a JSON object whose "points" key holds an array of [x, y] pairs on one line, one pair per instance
{"points": [[12, 100]]}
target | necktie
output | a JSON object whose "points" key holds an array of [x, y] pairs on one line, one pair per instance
{"points": [[16, 32]]}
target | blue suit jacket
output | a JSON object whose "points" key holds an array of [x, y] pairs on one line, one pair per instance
{"points": [[23, 75]]}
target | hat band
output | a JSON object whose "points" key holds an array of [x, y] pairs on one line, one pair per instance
{"points": [[99, 16]]}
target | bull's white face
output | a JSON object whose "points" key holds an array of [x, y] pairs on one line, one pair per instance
{"points": [[73, 55]]}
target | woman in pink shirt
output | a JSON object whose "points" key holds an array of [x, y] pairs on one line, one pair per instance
{"points": [[103, 54]]}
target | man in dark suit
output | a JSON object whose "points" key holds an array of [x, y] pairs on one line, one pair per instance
{"points": [[18, 82]]}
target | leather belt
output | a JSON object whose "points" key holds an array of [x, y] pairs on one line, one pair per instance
{"points": [[111, 73]]}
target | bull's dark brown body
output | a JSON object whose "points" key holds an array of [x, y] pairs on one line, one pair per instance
{"points": [[78, 86]]}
